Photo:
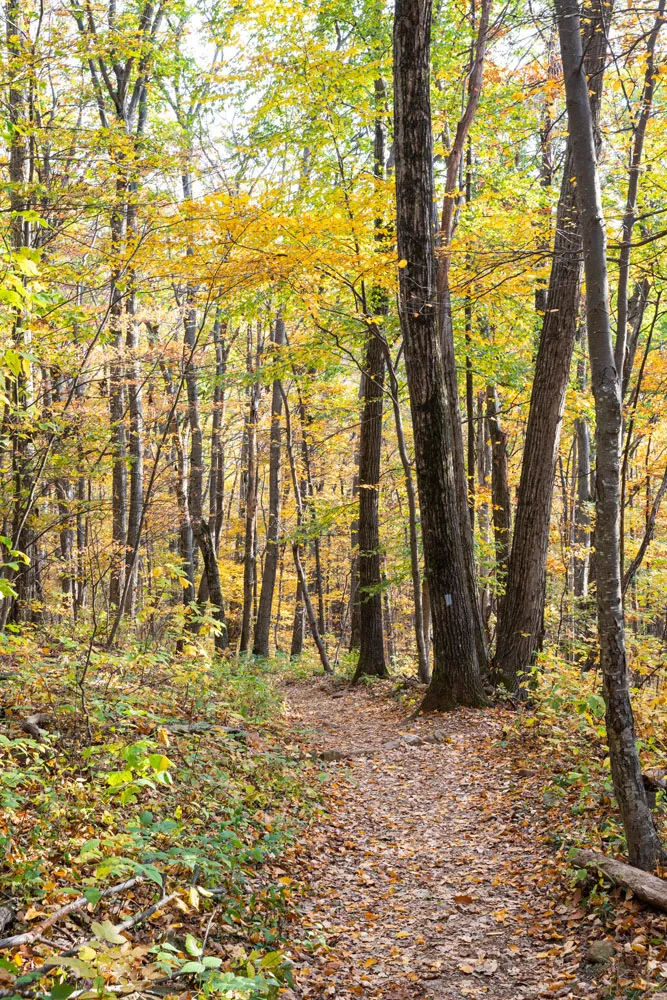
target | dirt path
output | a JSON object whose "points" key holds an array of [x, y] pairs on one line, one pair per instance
{"points": [[425, 878]]}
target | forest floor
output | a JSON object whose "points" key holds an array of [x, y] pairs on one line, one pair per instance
{"points": [[309, 826], [432, 874]]}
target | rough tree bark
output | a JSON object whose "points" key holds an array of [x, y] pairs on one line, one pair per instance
{"points": [[372, 661], [450, 201], [521, 615], [456, 676], [371, 644], [642, 840]]}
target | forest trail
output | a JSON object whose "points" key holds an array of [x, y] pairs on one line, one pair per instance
{"points": [[426, 877]]}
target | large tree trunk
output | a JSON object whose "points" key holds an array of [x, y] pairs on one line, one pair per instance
{"points": [[522, 611], [371, 647], [456, 677], [450, 201], [642, 840], [263, 623]]}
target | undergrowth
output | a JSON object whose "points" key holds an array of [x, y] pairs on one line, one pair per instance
{"points": [[173, 773], [556, 748]]}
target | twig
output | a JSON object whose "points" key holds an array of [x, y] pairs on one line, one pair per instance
{"points": [[145, 914]]}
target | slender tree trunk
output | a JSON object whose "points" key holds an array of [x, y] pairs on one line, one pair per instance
{"points": [[19, 387], [117, 400], [456, 677], [422, 624], [522, 612], [636, 152], [641, 836], [371, 648], [133, 379], [484, 470], [82, 489], [355, 615], [301, 575], [308, 500], [217, 475], [200, 526], [372, 661], [582, 517], [388, 618], [249, 557], [263, 623], [500, 487], [299, 625]]}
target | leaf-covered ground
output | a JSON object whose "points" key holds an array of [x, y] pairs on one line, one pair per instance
{"points": [[331, 848], [437, 872]]}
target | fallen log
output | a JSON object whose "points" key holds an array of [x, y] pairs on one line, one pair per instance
{"points": [[32, 986], [649, 888], [77, 904], [190, 728]]}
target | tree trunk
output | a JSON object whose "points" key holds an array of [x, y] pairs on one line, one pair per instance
{"points": [[301, 575], [217, 473], [355, 616], [299, 625], [133, 379], [263, 623], [642, 840], [200, 526], [371, 648], [582, 517], [422, 624], [522, 611], [629, 216], [388, 618], [500, 487], [117, 402], [456, 677], [249, 555], [447, 225], [19, 387]]}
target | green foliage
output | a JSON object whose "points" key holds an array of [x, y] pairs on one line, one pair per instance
{"points": [[117, 794]]}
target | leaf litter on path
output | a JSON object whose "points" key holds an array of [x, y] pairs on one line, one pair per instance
{"points": [[424, 879]]}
